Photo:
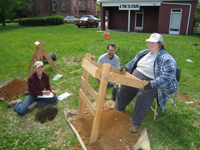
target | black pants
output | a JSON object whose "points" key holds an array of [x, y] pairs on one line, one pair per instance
{"points": [[143, 101]]}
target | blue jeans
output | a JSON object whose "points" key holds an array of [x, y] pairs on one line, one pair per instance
{"points": [[22, 108]]}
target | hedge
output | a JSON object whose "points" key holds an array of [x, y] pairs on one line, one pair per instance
{"points": [[41, 21]]}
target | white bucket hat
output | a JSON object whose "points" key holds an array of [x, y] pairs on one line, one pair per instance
{"points": [[155, 37], [38, 64]]}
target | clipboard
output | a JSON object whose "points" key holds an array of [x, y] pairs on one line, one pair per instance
{"points": [[51, 95]]}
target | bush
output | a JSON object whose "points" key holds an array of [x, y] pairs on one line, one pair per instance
{"points": [[41, 21], [97, 16]]}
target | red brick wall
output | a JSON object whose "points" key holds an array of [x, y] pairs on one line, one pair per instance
{"points": [[165, 12], [150, 23], [43, 8]]}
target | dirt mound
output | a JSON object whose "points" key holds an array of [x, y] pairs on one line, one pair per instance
{"points": [[113, 132], [46, 114], [14, 88]]}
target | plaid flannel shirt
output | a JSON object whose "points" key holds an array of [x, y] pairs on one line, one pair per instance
{"points": [[165, 74]]}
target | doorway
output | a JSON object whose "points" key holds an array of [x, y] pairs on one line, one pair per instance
{"points": [[175, 21], [139, 15]]}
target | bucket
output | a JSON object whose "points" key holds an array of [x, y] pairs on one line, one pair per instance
{"points": [[107, 36]]}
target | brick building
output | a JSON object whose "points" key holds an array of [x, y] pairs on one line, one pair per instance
{"points": [[77, 8], [169, 16]]}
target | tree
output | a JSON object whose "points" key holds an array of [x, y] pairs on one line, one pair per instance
{"points": [[197, 13], [8, 8]]}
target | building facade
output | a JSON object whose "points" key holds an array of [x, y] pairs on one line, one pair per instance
{"points": [[170, 16], [77, 8]]}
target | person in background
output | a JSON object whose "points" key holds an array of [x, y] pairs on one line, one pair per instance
{"points": [[38, 81], [156, 66], [111, 58]]}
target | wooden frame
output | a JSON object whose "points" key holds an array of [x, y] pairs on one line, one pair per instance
{"points": [[38, 51], [105, 73]]}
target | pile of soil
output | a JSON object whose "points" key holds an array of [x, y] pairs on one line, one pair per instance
{"points": [[46, 114], [113, 132], [14, 88]]}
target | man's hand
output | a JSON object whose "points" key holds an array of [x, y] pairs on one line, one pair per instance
{"points": [[123, 69], [147, 86]]}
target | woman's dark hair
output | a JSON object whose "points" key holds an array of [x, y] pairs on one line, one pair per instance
{"points": [[162, 45]]}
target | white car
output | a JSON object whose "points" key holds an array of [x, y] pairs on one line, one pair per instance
{"points": [[70, 19]]}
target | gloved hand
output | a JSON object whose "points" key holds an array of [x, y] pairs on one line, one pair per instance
{"points": [[123, 69], [147, 86]]}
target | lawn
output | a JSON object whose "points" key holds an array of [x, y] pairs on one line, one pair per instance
{"points": [[177, 130]]}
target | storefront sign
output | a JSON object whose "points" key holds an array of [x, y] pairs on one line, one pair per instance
{"points": [[129, 7]]}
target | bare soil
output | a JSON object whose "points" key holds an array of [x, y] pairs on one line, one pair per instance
{"points": [[113, 131], [47, 114], [114, 126], [13, 89]]}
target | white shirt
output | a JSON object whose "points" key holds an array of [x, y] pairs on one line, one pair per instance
{"points": [[146, 63]]}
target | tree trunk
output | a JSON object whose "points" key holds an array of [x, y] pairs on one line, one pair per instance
{"points": [[3, 22]]}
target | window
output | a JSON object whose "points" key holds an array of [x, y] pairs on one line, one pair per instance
{"points": [[84, 5], [88, 6], [79, 5], [63, 5], [175, 21], [74, 5], [54, 5], [92, 7], [29, 6]]}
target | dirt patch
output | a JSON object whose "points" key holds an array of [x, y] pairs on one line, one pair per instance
{"points": [[14, 88], [184, 98], [113, 132], [46, 114]]}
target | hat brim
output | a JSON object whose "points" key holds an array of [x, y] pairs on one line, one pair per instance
{"points": [[39, 66], [151, 40]]}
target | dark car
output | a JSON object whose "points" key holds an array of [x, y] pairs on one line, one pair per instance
{"points": [[87, 21]]}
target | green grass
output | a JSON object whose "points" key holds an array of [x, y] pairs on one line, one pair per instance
{"points": [[179, 130]]}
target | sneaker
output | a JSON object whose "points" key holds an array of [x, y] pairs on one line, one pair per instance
{"points": [[133, 128], [32, 106], [12, 103]]}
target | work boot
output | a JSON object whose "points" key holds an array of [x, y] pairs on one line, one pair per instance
{"points": [[133, 128], [12, 103], [32, 106]]}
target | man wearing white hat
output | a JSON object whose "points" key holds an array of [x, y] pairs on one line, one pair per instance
{"points": [[156, 66], [38, 81]]}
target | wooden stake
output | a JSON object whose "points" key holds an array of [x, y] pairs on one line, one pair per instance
{"points": [[100, 102], [85, 76]]}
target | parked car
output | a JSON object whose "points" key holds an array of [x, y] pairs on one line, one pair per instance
{"points": [[87, 21], [96, 19], [70, 19]]}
